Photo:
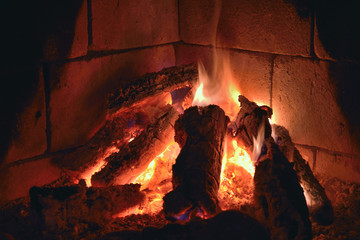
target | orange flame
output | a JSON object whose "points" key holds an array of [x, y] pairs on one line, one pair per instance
{"points": [[242, 158], [237, 166], [155, 182], [218, 88]]}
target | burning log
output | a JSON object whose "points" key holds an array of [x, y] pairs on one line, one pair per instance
{"points": [[249, 120], [278, 191], [132, 159], [320, 206], [153, 84], [277, 188], [200, 133]]}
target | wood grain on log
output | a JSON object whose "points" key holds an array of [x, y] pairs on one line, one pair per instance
{"points": [[248, 121], [116, 132], [320, 206], [200, 133], [132, 159], [277, 188], [152, 84], [278, 192]]}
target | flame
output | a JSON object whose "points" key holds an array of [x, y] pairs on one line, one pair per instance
{"points": [[100, 163], [155, 182], [219, 87], [242, 158], [145, 177], [237, 171], [236, 186], [258, 143]]}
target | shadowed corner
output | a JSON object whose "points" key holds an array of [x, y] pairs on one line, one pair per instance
{"points": [[35, 32]]}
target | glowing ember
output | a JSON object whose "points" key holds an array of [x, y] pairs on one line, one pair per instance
{"points": [[242, 159], [236, 185], [155, 182], [146, 176], [100, 163]]}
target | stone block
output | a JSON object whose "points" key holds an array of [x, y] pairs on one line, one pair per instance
{"points": [[343, 167], [305, 102], [78, 90], [65, 35], [28, 134], [122, 24], [17, 179], [266, 26], [251, 71]]}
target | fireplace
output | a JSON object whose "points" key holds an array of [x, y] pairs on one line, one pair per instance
{"points": [[292, 56]]}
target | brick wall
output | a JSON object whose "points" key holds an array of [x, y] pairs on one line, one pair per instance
{"points": [[276, 52]]}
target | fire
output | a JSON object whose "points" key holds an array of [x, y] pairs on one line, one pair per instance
{"points": [[155, 182], [100, 163], [237, 171], [218, 87], [146, 176], [236, 185], [258, 142], [242, 158]]}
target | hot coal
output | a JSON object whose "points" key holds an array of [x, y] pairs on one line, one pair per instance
{"points": [[225, 225]]}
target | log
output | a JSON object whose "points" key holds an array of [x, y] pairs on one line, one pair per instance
{"points": [[132, 159], [62, 208], [278, 192], [153, 84], [277, 189], [138, 97], [319, 205], [248, 121], [200, 133]]}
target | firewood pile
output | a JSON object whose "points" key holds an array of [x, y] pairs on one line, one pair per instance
{"points": [[140, 126]]}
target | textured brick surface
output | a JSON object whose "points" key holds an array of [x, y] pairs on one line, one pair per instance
{"points": [[346, 168], [250, 70], [67, 36], [304, 101], [121, 24], [29, 137], [78, 90], [16, 181], [268, 26]]}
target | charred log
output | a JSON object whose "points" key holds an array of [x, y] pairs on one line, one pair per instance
{"points": [[132, 159], [153, 84], [58, 208], [320, 206], [200, 133], [120, 127], [279, 193], [249, 120], [277, 188]]}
